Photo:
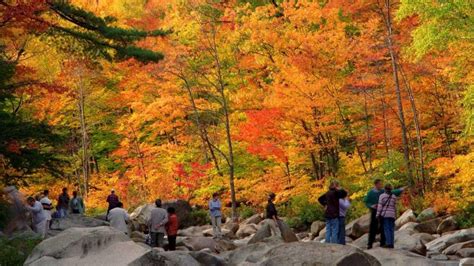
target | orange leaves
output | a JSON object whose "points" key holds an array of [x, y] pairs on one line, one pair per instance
{"points": [[263, 134]]}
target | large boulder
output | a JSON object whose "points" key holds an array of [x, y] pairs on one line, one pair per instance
{"points": [[409, 227], [183, 210], [194, 231], [406, 217], [74, 221], [286, 233], [394, 257], [447, 225], [169, 258], [424, 237], [314, 253], [358, 227], [207, 258], [406, 241], [254, 219], [439, 244], [466, 253], [86, 246], [252, 253], [451, 250], [428, 226], [214, 245], [426, 214], [231, 226], [225, 232], [246, 230], [316, 227], [262, 233], [466, 262]]}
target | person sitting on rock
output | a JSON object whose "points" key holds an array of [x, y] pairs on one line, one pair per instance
{"points": [[63, 203], [272, 218], [112, 200], [330, 200], [371, 200], [172, 228], [118, 218], [386, 212], [157, 222], [216, 215], [76, 204], [38, 217]]}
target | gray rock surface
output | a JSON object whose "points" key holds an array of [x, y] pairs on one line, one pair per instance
{"points": [[406, 217], [86, 246], [439, 244]]}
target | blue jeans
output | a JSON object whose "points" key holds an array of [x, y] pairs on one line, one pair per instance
{"points": [[389, 231], [332, 227], [341, 233], [62, 212]]}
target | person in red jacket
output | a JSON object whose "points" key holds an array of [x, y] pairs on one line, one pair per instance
{"points": [[172, 228]]}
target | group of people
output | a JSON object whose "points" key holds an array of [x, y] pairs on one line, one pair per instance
{"points": [[381, 203], [41, 208], [380, 200]]}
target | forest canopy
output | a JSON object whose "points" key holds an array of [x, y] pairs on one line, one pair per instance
{"points": [[181, 99]]}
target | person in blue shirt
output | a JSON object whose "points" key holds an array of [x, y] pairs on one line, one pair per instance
{"points": [[216, 214]]}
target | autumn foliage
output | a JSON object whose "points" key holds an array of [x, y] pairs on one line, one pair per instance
{"points": [[272, 97]]}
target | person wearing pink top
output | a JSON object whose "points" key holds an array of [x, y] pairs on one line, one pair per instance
{"points": [[386, 211]]}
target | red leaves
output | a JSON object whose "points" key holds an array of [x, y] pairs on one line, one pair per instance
{"points": [[263, 134]]}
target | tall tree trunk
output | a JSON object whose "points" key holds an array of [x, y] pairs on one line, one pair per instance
{"points": [[367, 128], [226, 109], [416, 120], [393, 59], [85, 138], [202, 131]]}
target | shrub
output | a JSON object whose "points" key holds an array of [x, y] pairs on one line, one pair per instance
{"points": [[301, 212], [16, 250], [465, 218], [199, 217], [246, 211]]}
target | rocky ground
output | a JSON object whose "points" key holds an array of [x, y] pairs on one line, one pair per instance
{"points": [[420, 240]]}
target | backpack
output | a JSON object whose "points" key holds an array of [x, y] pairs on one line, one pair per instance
{"points": [[75, 204]]}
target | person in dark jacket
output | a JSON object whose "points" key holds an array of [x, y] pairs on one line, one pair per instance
{"points": [[63, 203], [113, 201], [371, 201], [330, 200], [272, 215]]}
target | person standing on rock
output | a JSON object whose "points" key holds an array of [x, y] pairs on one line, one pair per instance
{"points": [[118, 218], [157, 222], [330, 200], [76, 204], [37, 215], [47, 207], [63, 203], [386, 212], [371, 201], [112, 200], [272, 215], [172, 228], [344, 204], [216, 215]]}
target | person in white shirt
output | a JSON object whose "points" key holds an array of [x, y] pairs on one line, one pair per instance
{"points": [[37, 215], [118, 218], [47, 208]]}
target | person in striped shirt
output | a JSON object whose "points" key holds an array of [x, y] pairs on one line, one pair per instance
{"points": [[387, 211]]}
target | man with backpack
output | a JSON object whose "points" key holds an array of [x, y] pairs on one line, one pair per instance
{"points": [[157, 222], [47, 207], [76, 204]]}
